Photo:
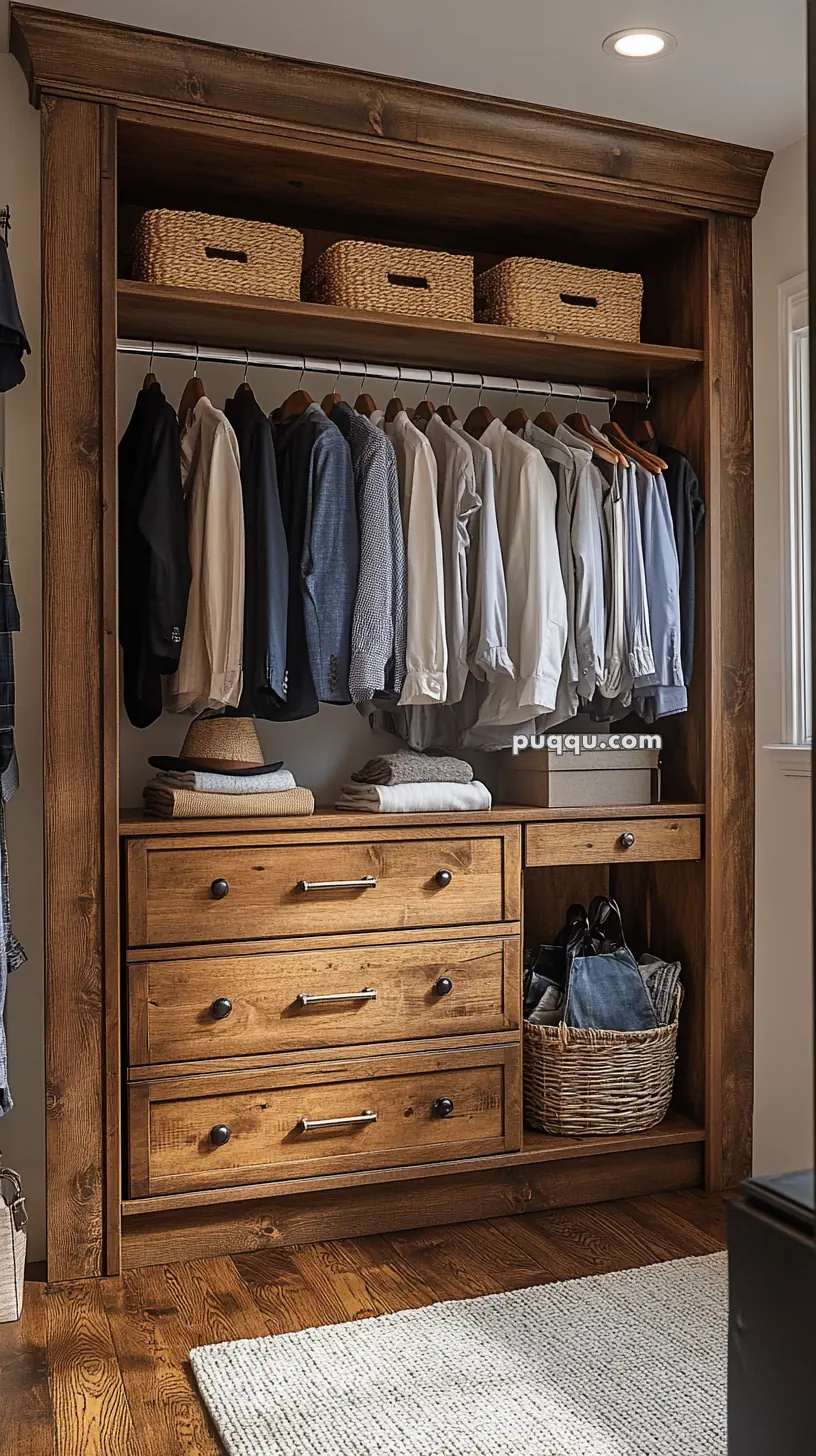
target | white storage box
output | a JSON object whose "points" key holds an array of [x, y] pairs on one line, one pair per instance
{"points": [[546, 779]]}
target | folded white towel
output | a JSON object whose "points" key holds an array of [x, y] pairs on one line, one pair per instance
{"points": [[431, 798], [225, 783]]}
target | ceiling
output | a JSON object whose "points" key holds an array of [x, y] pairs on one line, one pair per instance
{"points": [[738, 73]]}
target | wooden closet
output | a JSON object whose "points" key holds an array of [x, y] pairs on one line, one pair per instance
{"points": [[133, 120]]}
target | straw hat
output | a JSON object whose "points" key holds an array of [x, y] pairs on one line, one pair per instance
{"points": [[218, 745]]}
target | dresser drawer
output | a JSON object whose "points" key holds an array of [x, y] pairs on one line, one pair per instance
{"points": [[227, 891], [609, 841], [290, 1001], [199, 1132]]}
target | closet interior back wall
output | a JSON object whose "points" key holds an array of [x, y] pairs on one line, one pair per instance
{"points": [[324, 750]]}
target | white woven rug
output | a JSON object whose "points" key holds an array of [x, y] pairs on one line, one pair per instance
{"points": [[629, 1364]]}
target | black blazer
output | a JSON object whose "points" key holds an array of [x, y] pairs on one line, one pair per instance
{"points": [[154, 564]]}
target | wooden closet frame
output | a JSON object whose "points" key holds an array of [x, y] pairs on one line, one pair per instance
{"points": [[84, 76]]}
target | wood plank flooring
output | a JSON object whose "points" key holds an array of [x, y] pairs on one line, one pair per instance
{"points": [[100, 1368]]}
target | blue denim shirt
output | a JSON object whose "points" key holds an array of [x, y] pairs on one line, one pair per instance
{"points": [[664, 692], [314, 465]]}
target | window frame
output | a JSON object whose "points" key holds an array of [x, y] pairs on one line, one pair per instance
{"points": [[794, 752]]}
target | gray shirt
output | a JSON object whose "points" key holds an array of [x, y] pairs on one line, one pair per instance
{"points": [[590, 553], [378, 624], [487, 652], [564, 466]]}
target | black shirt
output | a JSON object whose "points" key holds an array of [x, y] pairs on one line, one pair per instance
{"points": [[688, 513], [154, 564], [13, 342], [266, 589]]}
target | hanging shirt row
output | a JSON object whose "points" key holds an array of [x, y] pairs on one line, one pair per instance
{"points": [[456, 581]]}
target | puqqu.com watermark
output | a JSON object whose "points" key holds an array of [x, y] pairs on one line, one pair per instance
{"points": [[584, 742]]}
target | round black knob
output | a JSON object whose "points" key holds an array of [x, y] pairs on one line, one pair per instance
{"points": [[221, 1008], [443, 1107], [443, 986], [443, 878], [219, 888], [626, 840], [219, 1135]]}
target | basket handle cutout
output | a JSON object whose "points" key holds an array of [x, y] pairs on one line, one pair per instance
{"points": [[577, 301], [231, 255], [407, 280]]}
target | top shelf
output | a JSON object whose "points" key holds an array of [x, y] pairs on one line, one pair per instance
{"points": [[222, 320]]}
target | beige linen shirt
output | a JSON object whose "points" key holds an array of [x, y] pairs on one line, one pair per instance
{"points": [[458, 503], [536, 600], [209, 673], [426, 652]]}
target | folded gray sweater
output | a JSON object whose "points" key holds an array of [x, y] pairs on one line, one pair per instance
{"points": [[406, 767]]}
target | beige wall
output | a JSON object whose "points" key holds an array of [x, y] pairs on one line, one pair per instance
{"points": [[783, 1120], [22, 1131]]}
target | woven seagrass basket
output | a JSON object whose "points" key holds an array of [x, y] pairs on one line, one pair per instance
{"points": [[225, 254], [383, 279], [580, 1083], [531, 293]]}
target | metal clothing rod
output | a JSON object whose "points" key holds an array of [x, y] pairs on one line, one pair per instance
{"points": [[398, 373]]}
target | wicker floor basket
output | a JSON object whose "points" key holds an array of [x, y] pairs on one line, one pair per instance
{"points": [[383, 279], [531, 293], [582, 1083], [226, 254]]}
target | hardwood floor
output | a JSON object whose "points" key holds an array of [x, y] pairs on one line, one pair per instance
{"points": [[100, 1368]]}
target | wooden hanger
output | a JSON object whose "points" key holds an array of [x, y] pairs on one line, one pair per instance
{"points": [[193, 391], [294, 406], [546, 421], [364, 404], [479, 418], [516, 418], [150, 378], [245, 387], [616, 436], [446, 412], [295, 403], [426, 407], [580, 424], [395, 405], [643, 432], [328, 401]]}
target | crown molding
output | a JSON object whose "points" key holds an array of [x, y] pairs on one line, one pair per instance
{"points": [[76, 56]]}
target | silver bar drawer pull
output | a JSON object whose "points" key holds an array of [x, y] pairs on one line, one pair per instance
{"points": [[368, 882], [312, 1124], [367, 994]]}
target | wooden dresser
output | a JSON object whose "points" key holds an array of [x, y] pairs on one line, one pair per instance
{"points": [[325, 1004]]}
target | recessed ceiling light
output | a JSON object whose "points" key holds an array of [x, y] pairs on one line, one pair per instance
{"points": [[639, 45]]}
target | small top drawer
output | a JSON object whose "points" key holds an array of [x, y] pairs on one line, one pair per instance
{"points": [[610, 841], [221, 890]]}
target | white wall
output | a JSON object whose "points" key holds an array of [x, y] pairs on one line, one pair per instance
{"points": [[22, 1131], [783, 1112]]}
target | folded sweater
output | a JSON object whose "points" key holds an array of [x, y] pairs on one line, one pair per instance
{"points": [[227, 783], [428, 798], [406, 767], [169, 803]]}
